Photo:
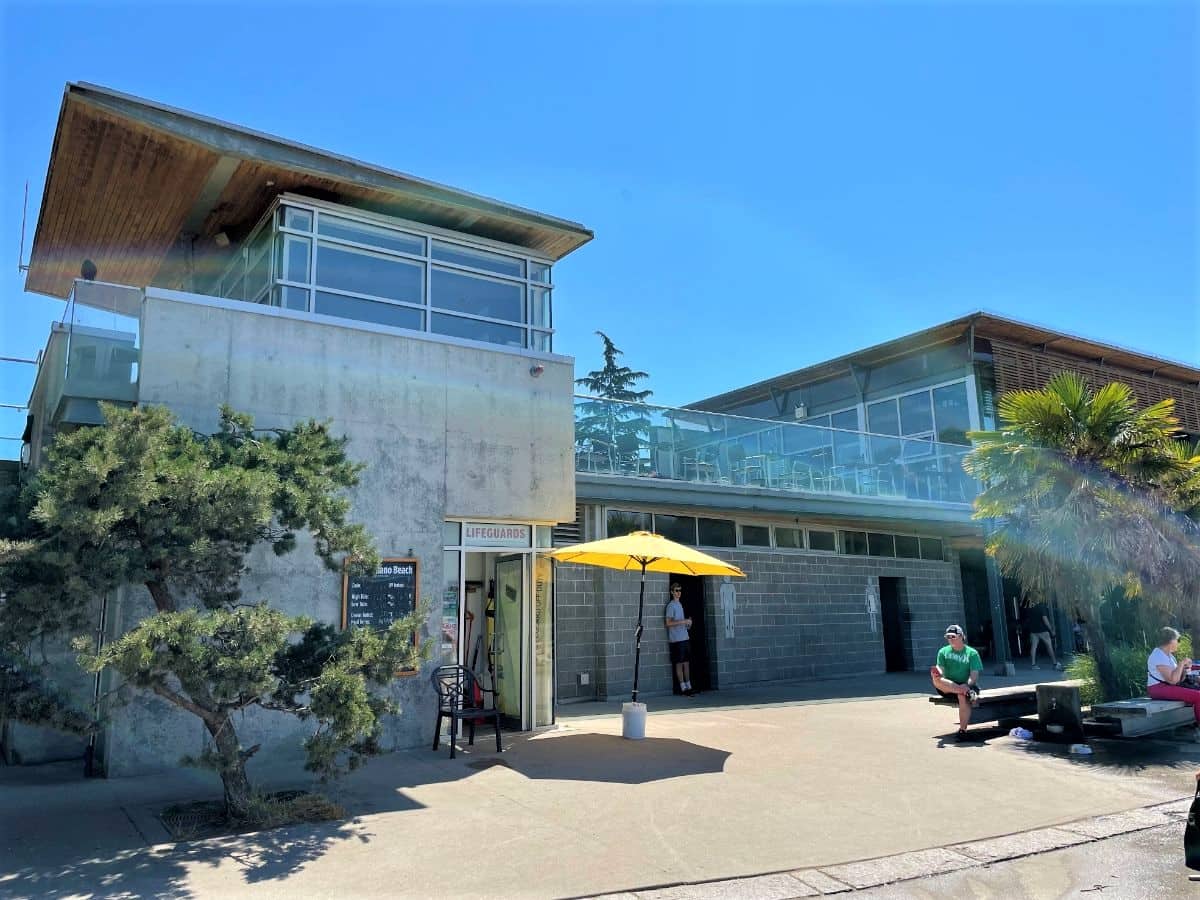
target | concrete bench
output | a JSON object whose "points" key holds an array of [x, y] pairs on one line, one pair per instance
{"points": [[1142, 715], [998, 704]]}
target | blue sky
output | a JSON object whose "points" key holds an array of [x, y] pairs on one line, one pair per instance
{"points": [[769, 184]]}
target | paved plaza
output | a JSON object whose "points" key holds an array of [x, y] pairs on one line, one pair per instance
{"points": [[733, 784]]}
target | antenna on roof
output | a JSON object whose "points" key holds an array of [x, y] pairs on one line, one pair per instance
{"points": [[21, 267]]}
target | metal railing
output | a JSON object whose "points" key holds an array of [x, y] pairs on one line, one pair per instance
{"points": [[645, 441]]}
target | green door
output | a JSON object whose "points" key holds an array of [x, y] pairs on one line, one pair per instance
{"points": [[509, 603]]}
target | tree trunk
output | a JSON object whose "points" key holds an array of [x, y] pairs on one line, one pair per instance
{"points": [[231, 765], [163, 601], [1105, 671]]}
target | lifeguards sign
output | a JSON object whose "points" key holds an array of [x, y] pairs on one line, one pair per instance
{"points": [[495, 534]]}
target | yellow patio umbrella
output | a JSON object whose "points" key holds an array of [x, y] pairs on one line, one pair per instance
{"points": [[649, 553]]}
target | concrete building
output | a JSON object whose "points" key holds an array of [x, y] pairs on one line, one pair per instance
{"points": [[235, 267], [291, 284]]}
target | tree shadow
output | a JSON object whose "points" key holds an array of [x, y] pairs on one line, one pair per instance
{"points": [[163, 871]]}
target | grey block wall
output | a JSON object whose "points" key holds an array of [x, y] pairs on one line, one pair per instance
{"points": [[799, 616]]}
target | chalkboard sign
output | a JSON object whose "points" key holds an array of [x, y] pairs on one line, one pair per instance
{"points": [[376, 601]]}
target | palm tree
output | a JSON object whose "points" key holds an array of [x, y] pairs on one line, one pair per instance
{"points": [[1089, 493]]}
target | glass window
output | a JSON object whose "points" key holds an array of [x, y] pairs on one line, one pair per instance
{"points": [[681, 529], [540, 341], [460, 292], [789, 538], [475, 330], [623, 521], [478, 259], [880, 544], [756, 535], [370, 311], [908, 547], [717, 533], [822, 540], [951, 414], [451, 560], [290, 298], [539, 307], [543, 536], [883, 417], [300, 219], [372, 235], [363, 272], [292, 262], [854, 543], [931, 548], [847, 445], [833, 392], [916, 416], [451, 534], [539, 272]]}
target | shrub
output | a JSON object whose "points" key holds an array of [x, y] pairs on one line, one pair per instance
{"points": [[1130, 666]]}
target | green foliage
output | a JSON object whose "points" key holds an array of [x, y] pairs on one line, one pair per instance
{"points": [[25, 696], [217, 662], [145, 501], [611, 426], [1129, 665]]}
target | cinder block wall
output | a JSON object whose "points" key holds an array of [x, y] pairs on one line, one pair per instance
{"points": [[799, 616]]}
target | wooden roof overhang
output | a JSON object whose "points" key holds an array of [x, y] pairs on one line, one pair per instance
{"points": [[129, 180]]}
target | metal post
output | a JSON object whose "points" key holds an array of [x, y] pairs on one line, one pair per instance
{"points": [[637, 653]]}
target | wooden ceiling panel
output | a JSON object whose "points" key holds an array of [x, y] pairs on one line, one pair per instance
{"points": [[116, 193], [1025, 369]]}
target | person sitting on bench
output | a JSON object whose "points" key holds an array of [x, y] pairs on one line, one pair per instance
{"points": [[1164, 676], [956, 674]]}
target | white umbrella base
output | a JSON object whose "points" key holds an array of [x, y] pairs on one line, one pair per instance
{"points": [[633, 721]]}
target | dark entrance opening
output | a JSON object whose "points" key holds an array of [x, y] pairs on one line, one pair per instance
{"points": [[693, 608], [897, 625]]}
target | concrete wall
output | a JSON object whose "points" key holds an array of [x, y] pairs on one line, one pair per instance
{"points": [[446, 430], [799, 615]]}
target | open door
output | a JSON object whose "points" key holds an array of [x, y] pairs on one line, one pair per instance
{"points": [[509, 662]]}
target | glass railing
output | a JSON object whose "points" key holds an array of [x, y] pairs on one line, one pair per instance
{"points": [[91, 356], [640, 440]]}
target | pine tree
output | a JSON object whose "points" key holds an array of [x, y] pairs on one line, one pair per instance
{"points": [[145, 501], [617, 425]]}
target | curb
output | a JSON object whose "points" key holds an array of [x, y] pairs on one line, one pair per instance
{"points": [[869, 873]]}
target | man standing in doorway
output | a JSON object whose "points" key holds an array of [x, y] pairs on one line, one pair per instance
{"points": [[677, 639], [1041, 629]]}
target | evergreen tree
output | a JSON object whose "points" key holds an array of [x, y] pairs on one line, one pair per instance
{"points": [[144, 501], [617, 425]]}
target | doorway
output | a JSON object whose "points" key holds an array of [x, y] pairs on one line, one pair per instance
{"points": [[693, 608], [506, 645], [498, 621], [897, 625]]}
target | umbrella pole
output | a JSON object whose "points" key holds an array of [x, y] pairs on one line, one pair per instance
{"points": [[637, 653]]}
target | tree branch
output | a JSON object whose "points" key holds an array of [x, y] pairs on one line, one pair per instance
{"points": [[179, 700]]}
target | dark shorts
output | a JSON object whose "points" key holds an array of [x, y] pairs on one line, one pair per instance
{"points": [[680, 651]]}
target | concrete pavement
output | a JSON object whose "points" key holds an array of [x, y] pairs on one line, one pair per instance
{"points": [[760, 782]]}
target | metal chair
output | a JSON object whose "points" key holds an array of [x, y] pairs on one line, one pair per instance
{"points": [[455, 686]]}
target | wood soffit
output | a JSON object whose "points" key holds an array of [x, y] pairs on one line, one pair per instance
{"points": [[121, 186]]}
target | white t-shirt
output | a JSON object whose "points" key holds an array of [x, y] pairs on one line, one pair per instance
{"points": [[1158, 657]]}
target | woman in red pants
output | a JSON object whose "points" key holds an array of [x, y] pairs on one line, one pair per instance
{"points": [[1164, 673]]}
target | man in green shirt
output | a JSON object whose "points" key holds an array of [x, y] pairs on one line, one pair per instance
{"points": [[956, 674]]}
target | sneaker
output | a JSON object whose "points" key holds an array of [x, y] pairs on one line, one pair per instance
{"points": [[1058, 667], [961, 736], [690, 692]]}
